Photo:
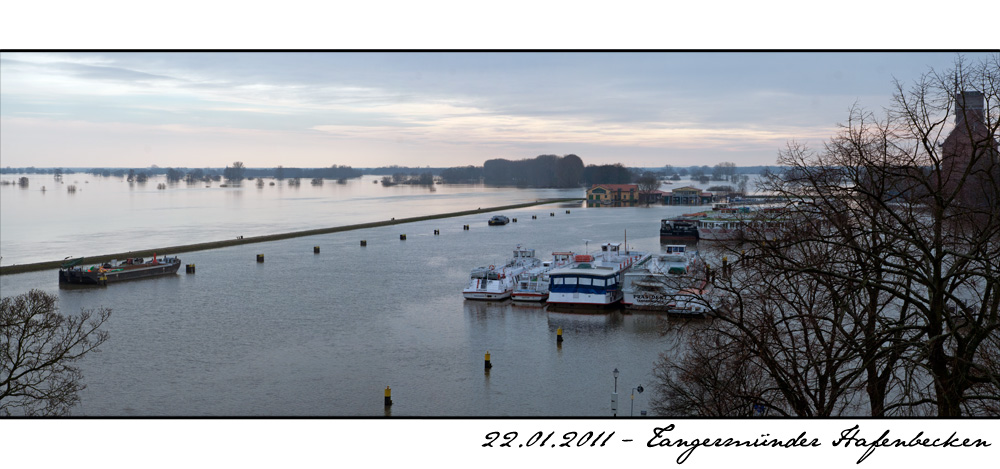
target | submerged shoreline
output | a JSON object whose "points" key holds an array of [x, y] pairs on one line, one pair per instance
{"points": [[36, 266]]}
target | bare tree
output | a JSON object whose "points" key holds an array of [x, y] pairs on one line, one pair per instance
{"points": [[38, 351], [647, 183], [724, 171], [234, 173], [884, 289], [782, 341], [741, 183]]}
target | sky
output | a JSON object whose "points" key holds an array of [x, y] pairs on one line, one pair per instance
{"points": [[437, 108]]}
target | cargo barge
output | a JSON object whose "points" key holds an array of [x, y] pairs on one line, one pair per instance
{"points": [[683, 228], [116, 271]]}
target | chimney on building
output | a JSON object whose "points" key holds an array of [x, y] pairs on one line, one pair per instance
{"points": [[969, 106]]}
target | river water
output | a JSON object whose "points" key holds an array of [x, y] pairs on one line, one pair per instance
{"points": [[306, 334]]}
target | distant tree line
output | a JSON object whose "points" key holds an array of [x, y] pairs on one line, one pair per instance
{"points": [[462, 174], [422, 179], [607, 174], [396, 169], [724, 171], [541, 171], [236, 171], [34, 170], [280, 172]]}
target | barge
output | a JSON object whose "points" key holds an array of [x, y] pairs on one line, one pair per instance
{"points": [[116, 271], [684, 228]]}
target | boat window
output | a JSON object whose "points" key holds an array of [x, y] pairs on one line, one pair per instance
{"points": [[585, 281], [558, 280], [600, 282]]}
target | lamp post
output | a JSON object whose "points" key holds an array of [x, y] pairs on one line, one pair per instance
{"points": [[614, 395], [632, 407]]}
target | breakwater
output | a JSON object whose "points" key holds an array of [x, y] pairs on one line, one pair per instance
{"points": [[33, 267]]}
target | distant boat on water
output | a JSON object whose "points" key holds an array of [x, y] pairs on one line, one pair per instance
{"points": [[498, 220]]}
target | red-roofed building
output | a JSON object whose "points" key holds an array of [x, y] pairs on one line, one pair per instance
{"points": [[615, 195]]}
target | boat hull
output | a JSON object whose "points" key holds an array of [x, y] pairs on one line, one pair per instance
{"points": [[584, 299], [529, 297], [670, 237], [486, 295], [718, 234]]}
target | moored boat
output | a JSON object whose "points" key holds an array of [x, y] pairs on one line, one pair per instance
{"points": [[741, 223], [498, 220], [683, 228], [592, 280], [533, 285], [719, 229], [115, 271], [672, 281], [497, 283]]}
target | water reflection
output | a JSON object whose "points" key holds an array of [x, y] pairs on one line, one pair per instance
{"points": [[486, 310], [583, 320]]}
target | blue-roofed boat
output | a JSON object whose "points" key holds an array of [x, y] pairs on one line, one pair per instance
{"points": [[593, 280]]}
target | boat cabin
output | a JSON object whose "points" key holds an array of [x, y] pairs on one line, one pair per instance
{"points": [[560, 258], [520, 254]]}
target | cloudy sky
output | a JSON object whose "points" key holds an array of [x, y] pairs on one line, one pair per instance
{"points": [[367, 109]]}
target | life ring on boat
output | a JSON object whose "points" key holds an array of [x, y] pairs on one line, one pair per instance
{"points": [[492, 266]]}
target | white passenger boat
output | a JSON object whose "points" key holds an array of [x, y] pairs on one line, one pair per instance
{"points": [[593, 280], [672, 281], [533, 284], [498, 282]]}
